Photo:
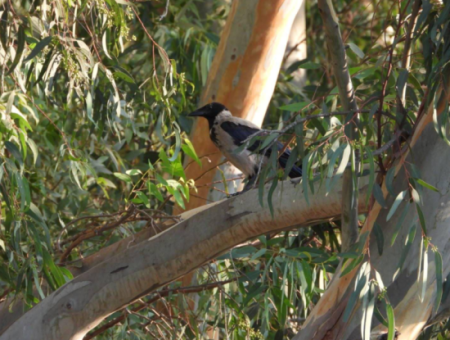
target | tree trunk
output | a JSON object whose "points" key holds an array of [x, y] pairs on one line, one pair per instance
{"points": [[204, 233], [296, 47], [426, 150], [242, 76]]}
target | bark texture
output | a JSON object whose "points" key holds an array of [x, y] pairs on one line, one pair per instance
{"points": [[296, 49], [205, 232]]}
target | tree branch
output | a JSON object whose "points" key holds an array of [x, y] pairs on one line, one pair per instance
{"points": [[205, 232], [339, 65]]}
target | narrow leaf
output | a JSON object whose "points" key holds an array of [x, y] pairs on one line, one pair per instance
{"points": [[378, 194], [356, 50], [439, 282], [399, 223], [391, 321], [426, 185], [38, 48], [379, 237], [395, 205], [20, 48]]}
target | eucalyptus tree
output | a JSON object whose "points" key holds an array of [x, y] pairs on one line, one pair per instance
{"points": [[94, 139]]}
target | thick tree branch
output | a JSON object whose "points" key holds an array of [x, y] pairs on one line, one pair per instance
{"points": [[339, 65], [203, 233]]}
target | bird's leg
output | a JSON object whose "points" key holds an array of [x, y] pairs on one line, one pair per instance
{"points": [[250, 182], [249, 185]]}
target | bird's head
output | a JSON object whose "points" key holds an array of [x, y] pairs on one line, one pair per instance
{"points": [[210, 111]]}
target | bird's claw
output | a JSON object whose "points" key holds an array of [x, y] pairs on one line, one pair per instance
{"points": [[235, 194], [296, 181]]}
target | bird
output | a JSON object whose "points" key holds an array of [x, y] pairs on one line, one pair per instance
{"points": [[229, 133]]}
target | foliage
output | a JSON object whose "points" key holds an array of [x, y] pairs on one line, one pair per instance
{"points": [[94, 136]]}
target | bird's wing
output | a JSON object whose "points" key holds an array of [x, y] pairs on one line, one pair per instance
{"points": [[240, 132]]}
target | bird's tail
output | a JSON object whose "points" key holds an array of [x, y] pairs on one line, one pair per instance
{"points": [[296, 171]]}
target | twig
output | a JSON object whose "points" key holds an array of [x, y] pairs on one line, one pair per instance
{"points": [[166, 10], [347, 95], [58, 242], [95, 232], [163, 293]]}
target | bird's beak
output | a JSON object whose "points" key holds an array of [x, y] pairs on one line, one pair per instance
{"points": [[197, 113]]}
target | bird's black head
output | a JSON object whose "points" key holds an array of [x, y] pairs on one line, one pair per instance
{"points": [[209, 111]]}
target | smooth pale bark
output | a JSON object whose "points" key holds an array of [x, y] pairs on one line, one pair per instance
{"points": [[204, 233], [242, 76], [432, 156], [296, 48], [339, 65], [9, 314]]}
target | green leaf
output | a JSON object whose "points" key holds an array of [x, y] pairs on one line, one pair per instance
{"points": [[371, 174], [189, 150], [4, 27], [390, 179], [350, 264], [20, 48], [143, 198], [14, 150], [38, 48], [401, 81], [177, 146], [153, 190], [380, 317], [124, 76], [341, 168], [89, 106], [306, 167], [379, 237], [360, 282], [368, 310], [424, 273], [269, 195], [399, 223], [293, 158], [262, 180], [439, 281], [406, 248], [176, 194], [378, 194], [426, 185], [397, 202], [269, 139], [123, 177], [133, 172], [391, 321], [422, 220], [330, 170], [294, 107], [105, 44], [308, 65], [37, 283], [44, 68], [356, 50]]}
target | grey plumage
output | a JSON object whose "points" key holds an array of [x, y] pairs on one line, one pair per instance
{"points": [[228, 133]]}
